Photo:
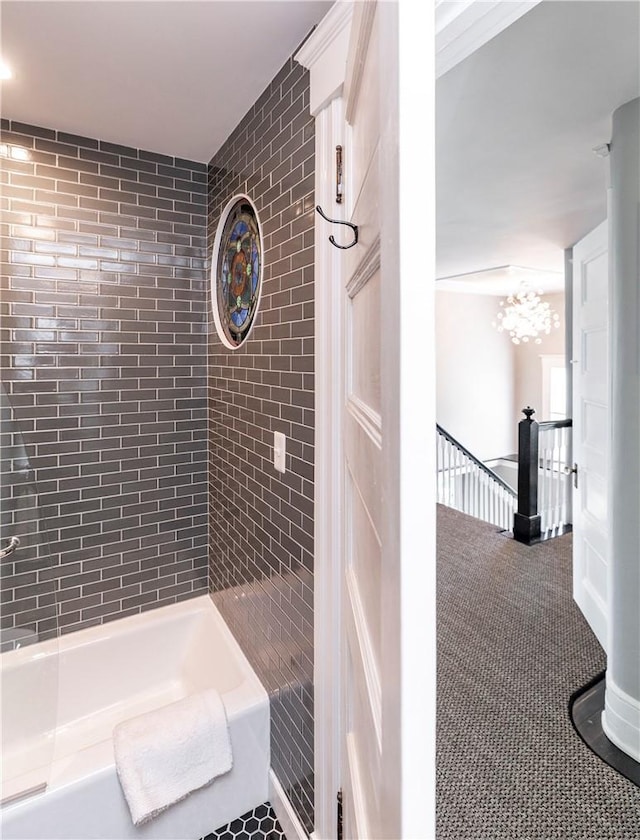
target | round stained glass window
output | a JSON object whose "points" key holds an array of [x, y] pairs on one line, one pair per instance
{"points": [[236, 271]]}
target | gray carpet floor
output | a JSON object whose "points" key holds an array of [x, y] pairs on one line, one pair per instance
{"points": [[512, 647]]}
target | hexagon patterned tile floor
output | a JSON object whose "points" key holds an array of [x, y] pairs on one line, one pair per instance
{"points": [[259, 824]]}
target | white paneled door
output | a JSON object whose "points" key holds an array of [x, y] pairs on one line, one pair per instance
{"points": [[363, 442], [374, 489], [371, 644], [591, 427]]}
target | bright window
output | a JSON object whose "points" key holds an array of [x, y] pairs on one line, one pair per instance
{"points": [[554, 388]]}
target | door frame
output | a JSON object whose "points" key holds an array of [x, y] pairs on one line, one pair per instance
{"points": [[422, 44], [324, 54]]}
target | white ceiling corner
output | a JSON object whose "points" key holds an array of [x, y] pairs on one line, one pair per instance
{"points": [[168, 76], [517, 181], [463, 26]]}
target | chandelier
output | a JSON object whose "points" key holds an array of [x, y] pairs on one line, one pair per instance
{"points": [[525, 316]]}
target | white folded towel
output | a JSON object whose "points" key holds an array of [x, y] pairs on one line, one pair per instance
{"points": [[164, 755]]}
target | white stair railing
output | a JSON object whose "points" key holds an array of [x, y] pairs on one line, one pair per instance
{"points": [[554, 476], [466, 484]]}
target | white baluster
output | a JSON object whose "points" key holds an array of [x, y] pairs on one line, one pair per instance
{"points": [[542, 494], [547, 482], [557, 468], [476, 491]]}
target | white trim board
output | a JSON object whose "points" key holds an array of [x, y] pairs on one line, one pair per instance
{"points": [[324, 54], [621, 719], [287, 817]]}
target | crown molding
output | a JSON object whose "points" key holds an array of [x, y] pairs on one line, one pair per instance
{"points": [[322, 37], [324, 54], [462, 28]]}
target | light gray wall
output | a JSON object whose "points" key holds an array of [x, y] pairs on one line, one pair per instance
{"points": [[528, 365], [475, 375]]}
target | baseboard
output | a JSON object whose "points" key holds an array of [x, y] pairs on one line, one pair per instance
{"points": [[287, 817], [621, 719], [585, 708]]}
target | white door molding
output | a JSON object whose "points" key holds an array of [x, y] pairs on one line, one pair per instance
{"points": [[324, 54], [363, 15]]}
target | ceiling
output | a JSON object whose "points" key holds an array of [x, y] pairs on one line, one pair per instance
{"points": [[516, 122], [503, 280], [517, 180], [170, 76]]}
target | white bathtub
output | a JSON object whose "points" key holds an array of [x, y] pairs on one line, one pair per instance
{"points": [[105, 675]]}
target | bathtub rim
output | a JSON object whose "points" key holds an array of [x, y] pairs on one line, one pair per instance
{"points": [[239, 701], [120, 626]]}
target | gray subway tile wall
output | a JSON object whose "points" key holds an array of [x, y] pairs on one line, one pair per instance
{"points": [[261, 527], [104, 369]]}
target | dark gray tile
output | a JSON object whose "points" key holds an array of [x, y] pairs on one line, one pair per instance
{"points": [[32, 130], [110, 363], [70, 368], [262, 522]]}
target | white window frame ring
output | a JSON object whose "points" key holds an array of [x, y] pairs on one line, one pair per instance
{"points": [[214, 271]]}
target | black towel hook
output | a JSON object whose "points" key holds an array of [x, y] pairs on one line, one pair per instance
{"points": [[354, 228]]}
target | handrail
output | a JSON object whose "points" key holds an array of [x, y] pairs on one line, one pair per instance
{"points": [[567, 423], [476, 461]]}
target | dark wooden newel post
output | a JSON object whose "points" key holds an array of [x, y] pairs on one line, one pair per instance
{"points": [[526, 522]]}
